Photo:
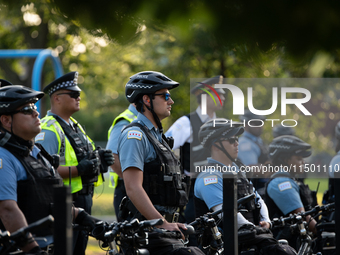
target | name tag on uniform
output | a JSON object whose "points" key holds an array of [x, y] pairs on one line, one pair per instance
{"points": [[285, 185], [40, 136], [0, 163], [134, 134], [210, 180]]}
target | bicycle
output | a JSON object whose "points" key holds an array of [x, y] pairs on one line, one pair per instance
{"points": [[300, 227], [128, 238], [206, 228], [9, 241]]}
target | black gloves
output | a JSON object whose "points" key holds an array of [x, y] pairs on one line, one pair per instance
{"points": [[106, 159], [86, 219], [89, 165], [36, 251]]}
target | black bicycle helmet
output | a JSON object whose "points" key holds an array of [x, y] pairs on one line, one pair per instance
{"points": [[211, 131], [147, 82], [248, 115], [4, 83], [288, 145], [13, 96], [279, 130]]}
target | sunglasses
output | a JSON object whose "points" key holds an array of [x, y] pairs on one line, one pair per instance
{"points": [[231, 140], [167, 96], [74, 94], [27, 110]]}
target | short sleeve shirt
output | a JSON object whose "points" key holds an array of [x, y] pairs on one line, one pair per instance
{"points": [[285, 193], [112, 144], [134, 148], [209, 187], [49, 140], [11, 171]]}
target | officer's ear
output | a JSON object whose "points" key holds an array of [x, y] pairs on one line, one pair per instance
{"points": [[146, 100], [6, 121]]}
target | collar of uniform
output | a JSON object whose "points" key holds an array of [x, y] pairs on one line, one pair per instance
{"points": [[214, 161], [34, 153], [49, 113], [133, 109], [204, 118], [281, 173], [142, 118]]}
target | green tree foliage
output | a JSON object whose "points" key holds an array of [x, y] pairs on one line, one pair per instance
{"points": [[188, 47]]}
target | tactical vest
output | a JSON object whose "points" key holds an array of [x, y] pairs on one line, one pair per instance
{"points": [[250, 210], [129, 116], [71, 150], [194, 153], [162, 178], [304, 192], [35, 195]]}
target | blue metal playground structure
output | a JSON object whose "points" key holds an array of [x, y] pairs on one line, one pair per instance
{"points": [[41, 56]]}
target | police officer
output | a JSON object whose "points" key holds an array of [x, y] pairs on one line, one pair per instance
{"points": [[185, 129], [79, 159], [27, 170], [151, 172], [252, 150], [185, 134], [285, 194], [116, 176], [222, 139]]}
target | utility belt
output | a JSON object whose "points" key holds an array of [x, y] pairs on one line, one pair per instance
{"points": [[171, 217], [127, 211], [86, 190]]}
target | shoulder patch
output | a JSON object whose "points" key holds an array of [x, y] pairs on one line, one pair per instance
{"points": [[0, 163], [210, 180], [134, 134], [40, 136], [285, 185]]}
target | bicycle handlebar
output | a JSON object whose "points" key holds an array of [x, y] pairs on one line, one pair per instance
{"points": [[35, 225], [295, 217]]}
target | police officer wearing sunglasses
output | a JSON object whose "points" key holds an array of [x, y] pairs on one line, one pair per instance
{"points": [[81, 164], [28, 173], [221, 138], [151, 172]]}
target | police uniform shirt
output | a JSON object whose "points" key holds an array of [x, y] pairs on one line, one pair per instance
{"points": [[209, 188], [285, 193], [334, 165], [112, 144], [49, 140], [12, 171], [181, 130], [134, 148], [249, 151]]}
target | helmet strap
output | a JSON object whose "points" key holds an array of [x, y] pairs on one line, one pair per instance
{"points": [[221, 147], [155, 117]]}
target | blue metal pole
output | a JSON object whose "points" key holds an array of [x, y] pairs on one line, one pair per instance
{"points": [[38, 66], [41, 55], [20, 53]]}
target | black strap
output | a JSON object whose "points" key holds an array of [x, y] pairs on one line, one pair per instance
{"points": [[68, 132]]}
